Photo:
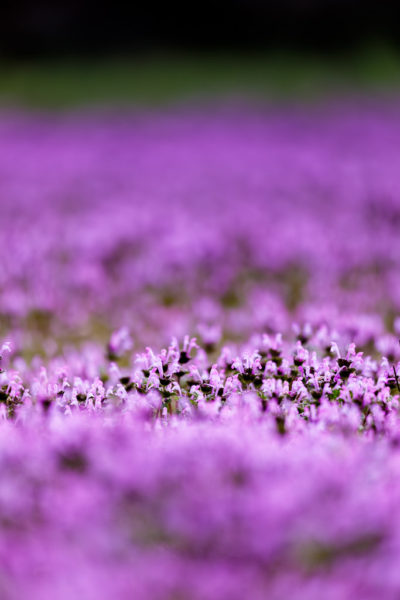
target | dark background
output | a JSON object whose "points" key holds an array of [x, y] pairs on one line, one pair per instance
{"points": [[84, 27]]}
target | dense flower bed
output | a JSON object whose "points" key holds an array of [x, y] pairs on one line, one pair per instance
{"points": [[199, 389]]}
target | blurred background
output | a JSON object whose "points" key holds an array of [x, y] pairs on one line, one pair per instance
{"points": [[157, 242], [74, 52]]}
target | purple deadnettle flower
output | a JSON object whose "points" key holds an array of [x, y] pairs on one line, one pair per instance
{"points": [[258, 460]]}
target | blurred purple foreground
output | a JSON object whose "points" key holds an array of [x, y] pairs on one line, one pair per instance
{"points": [[257, 454]]}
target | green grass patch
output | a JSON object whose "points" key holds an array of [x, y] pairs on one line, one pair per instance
{"points": [[160, 80]]}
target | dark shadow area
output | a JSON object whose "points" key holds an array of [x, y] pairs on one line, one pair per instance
{"points": [[74, 27]]}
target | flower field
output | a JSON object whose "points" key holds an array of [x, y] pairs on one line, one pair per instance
{"points": [[200, 358]]}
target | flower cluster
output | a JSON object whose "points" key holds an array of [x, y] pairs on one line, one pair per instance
{"points": [[293, 386], [200, 372], [269, 470]]}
